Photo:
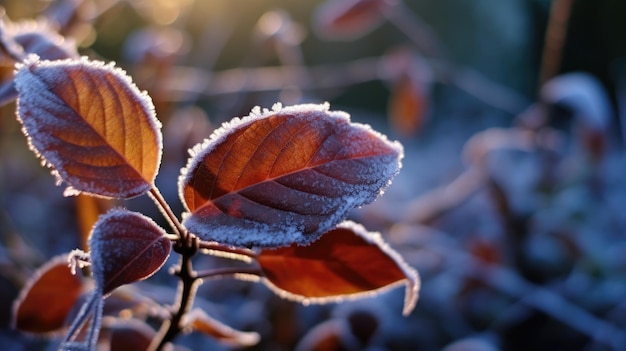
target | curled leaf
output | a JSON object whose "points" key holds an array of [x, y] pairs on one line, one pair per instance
{"points": [[48, 297], [199, 321], [91, 124], [347, 262], [584, 95], [126, 247], [284, 176]]}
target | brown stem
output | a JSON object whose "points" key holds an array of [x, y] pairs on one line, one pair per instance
{"points": [[167, 211], [554, 40], [229, 271], [187, 247], [227, 249]]}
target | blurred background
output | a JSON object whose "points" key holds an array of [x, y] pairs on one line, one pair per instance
{"points": [[510, 203]]}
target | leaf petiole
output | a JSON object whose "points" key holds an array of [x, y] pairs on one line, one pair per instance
{"points": [[169, 215], [229, 272]]}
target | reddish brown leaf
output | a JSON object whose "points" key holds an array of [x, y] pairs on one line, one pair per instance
{"points": [[407, 106], [348, 19], [347, 261], [131, 334], [91, 124], [47, 298], [284, 176], [201, 322], [126, 247], [485, 250], [332, 335]]}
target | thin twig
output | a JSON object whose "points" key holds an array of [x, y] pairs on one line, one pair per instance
{"points": [[228, 272], [469, 80], [227, 249], [554, 39], [167, 212], [187, 247], [547, 301]]}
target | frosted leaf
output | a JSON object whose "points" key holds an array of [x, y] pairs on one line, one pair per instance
{"points": [[47, 298], [18, 39], [584, 94], [91, 124], [348, 262], [38, 37], [126, 247], [284, 176]]}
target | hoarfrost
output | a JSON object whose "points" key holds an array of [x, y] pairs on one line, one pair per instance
{"points": [[287, 200], [56, 132], [411, 282], [123, 245]]}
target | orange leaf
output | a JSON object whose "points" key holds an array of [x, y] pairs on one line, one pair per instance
{"points": [[407, 106], [47, 298], [348, 19], [199, 321], [88, 208], [126, 247], [89, 122], [347, 261], [284, 176]]}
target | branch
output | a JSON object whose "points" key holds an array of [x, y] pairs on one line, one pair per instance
{"points": [[554, 40], [187, 247], [242, 254], [552, 304]]}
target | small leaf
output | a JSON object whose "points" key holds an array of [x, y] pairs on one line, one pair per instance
{"points": [[198, 320], [284, 176], [347, 261], [584, 94], [126, 247], [348, 19], [89, 122], [407, 106], [48, 298], [131, 334]]}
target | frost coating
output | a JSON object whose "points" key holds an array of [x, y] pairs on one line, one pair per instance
{"points": [[411, 281], [90, 123], [40, 38], [126, 247], [284, 176]]}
